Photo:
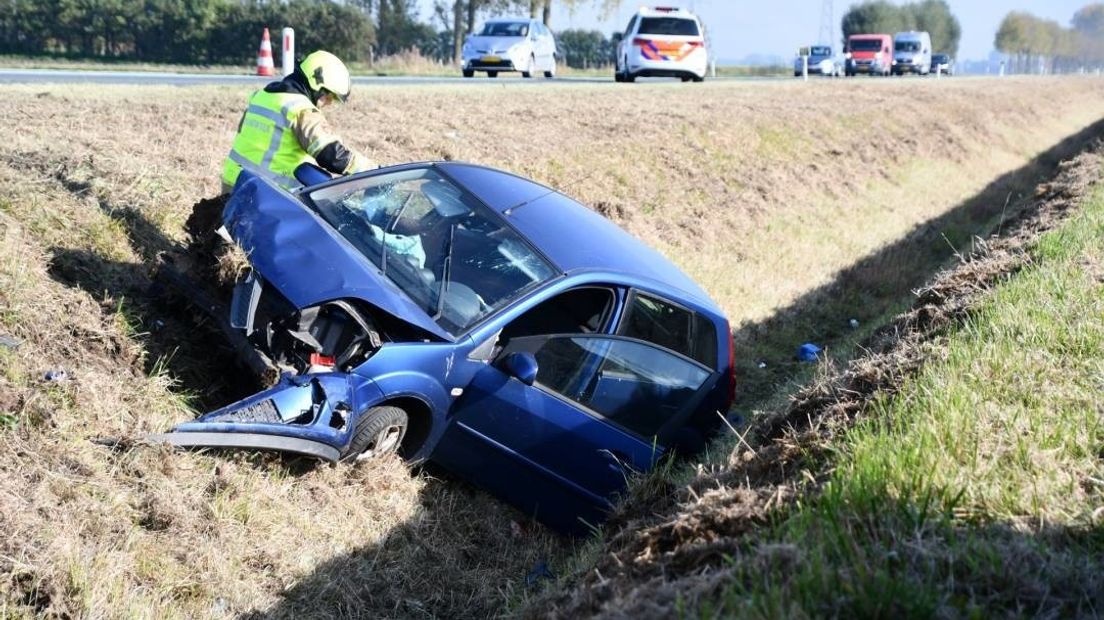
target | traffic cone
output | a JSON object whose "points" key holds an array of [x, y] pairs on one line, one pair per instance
{"points": [[264, 56]]}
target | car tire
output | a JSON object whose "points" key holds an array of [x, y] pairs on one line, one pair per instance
{"points": [[618, 77], [532, 65], [551, 73], [698, 78], [492, 74], [630, 77], [380, 431], [468, 73]]}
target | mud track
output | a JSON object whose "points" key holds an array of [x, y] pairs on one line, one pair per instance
{"points": [[655, 565]]}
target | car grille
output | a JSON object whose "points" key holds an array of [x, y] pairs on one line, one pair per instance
{"points": [[263, 412]]}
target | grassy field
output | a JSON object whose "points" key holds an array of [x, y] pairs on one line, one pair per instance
{"points": [[765, 193], [952, 471], [977, 490]]}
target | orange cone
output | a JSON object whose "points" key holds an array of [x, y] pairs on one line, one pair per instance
{"points": [[264, 56]]}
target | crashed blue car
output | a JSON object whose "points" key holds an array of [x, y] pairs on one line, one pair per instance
{"points": [[467, 316]]}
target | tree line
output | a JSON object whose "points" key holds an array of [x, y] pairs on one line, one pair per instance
{"points": [[1036, 45], [882, 17], [228, 31], [185, 31]]}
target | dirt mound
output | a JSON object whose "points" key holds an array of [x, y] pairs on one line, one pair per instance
{"points": [[653, 565]]}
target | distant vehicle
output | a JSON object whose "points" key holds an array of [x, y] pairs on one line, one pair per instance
{"points": [[943, 64], [524, 45], [912, 53], [821, 62], [662, 42], [869, 53]]}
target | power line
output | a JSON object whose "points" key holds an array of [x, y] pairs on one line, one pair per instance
{"points": [[827, 24]]}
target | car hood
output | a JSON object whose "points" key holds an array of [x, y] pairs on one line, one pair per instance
{"points": [[306, 260], [494, 44]]}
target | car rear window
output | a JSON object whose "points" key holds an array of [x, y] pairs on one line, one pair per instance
{"points": [[671, 327], [676, 26]]}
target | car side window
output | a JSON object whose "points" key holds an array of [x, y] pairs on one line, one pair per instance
{"points": [[636, 385], [577, 311], [673, 327], [629, 28]]}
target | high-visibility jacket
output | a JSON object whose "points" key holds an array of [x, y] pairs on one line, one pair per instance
{"points": [[265, 144]]}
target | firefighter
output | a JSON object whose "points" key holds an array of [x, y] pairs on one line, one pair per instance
{"points": [[284, 127]]}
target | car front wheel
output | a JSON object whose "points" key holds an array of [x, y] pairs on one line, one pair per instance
{"points": [[492, 74], [467, 73], [379, 432]]}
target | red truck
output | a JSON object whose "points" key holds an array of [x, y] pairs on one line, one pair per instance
{"points": [[869, 53]]}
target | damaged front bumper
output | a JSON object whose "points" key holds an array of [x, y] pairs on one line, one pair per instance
{"points": [[312, 414]]}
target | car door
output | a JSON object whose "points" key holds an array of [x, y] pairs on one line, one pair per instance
{"points": [[548, 48], [562, 448]]}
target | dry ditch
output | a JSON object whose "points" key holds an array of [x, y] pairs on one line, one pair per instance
{"points": [[654, 564]]}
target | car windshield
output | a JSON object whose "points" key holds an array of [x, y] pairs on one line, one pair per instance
{"points": [[907, 46], [820, 51], [447, 252], [676, 26], [866, 45], [505, 29]]}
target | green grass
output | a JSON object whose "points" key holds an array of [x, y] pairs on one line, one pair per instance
{"points": [[975, 491]]}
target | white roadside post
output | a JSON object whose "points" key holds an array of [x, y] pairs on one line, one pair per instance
{"points": [[804, 53], [287, 53]]}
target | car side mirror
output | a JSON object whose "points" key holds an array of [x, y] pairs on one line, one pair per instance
{"points": [[521, 365]]}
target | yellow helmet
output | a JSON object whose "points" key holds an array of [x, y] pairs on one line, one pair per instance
{"points": [[326, 72]]}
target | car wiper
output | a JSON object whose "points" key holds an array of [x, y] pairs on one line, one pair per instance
{"points": [[446, 274], [391, 226]]}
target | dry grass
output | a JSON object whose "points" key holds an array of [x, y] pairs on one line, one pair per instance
{"points": [[752, 188]]}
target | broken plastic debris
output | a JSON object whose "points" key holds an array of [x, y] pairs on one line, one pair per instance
{"points": [[854, 323], [56, 375], [540, 571], [808, 352], [762, 364]]}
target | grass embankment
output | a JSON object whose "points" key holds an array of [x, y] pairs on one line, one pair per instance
{"points": [[954, 470], [978, 489], [763, 192]]}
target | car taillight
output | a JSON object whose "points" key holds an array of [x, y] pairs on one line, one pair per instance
{"points": [[696, 43], [731, 368]]}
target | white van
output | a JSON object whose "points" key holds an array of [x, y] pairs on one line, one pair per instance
{"points": [[912, 52]]}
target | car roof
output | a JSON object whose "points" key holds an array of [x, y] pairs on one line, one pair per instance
{"points": [[508, 20], [572, 236], [660, 11]]}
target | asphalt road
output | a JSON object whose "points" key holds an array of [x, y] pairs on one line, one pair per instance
{"points": [[67, 76], [56, 76]]}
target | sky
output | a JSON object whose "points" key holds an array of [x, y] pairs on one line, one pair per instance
{"points": [[741, 28]]}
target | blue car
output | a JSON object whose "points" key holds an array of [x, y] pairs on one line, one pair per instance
{"points": [[467, 316]]}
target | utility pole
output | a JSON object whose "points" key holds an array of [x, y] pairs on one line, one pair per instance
{"points": [[827, 24]]}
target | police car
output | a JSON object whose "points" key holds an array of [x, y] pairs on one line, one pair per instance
{"points": [[662, 42]]}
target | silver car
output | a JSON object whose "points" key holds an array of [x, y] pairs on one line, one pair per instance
{"points": [[524, 45]]}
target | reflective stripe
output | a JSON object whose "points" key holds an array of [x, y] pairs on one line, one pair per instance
{"points": [[253, 168], [278, 134], [273, 146], [275, 117]]}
